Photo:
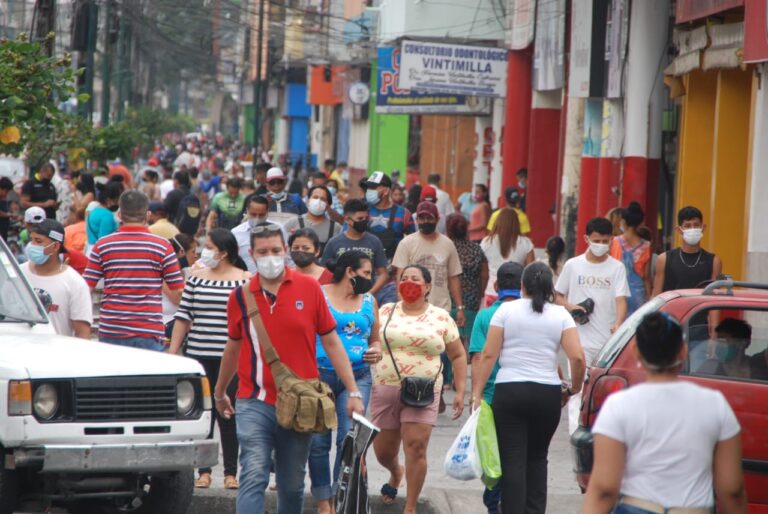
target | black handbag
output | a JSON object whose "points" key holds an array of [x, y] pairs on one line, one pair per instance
{"points": [[414, 391]]}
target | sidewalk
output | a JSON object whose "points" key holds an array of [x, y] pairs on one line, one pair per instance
{"points": [[441, 494]]}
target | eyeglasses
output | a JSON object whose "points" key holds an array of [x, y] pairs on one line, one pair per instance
{"points": [[276, 182], [260, 229]]}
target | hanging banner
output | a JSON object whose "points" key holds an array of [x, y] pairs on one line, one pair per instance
{"points": [[393, 99], [581, 38], [616, 50], [549, 48], [457, 69], [688, 10], [522, 22], [755, 31]]}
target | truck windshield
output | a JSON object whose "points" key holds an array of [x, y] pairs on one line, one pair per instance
{"points": [[17, 300]]}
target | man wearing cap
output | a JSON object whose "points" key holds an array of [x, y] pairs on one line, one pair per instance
{"points": [[39, 191], [32, 217], [438, 254], [443, 201], [507, 287], [158, 222], [512, 198], [388, 221], [286, 205], [63, 291]]}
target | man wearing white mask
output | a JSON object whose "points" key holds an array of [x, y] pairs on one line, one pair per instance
{"points": [[283, 205], [318, 201], [689, 266], [596, 276]]}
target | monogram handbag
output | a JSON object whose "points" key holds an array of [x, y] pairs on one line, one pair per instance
{"points": [[414, 391], [306, 406]]}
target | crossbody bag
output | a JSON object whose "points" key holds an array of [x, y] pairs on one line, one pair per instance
{"points": [[414, 391], [303, 405]]}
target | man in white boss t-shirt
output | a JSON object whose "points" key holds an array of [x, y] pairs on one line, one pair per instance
{"points": [[597, 276], [63, 291]]}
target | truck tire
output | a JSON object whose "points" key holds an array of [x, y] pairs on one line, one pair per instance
{"points": [[8, 488], [169, 494]]}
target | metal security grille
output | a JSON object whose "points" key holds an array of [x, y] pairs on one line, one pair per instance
{"points": [[125, 398]]}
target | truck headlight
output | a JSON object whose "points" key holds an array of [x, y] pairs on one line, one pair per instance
{"points": [[45, 401], [185, 397]]}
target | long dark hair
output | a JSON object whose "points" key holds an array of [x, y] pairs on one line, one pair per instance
{"points": [[226, 242], [537, 281], [306, 233], [86, 184], [414, 195], [555, 248], [350, 259], [108, 191]]}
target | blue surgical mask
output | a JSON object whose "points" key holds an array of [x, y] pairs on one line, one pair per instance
{"points": [[726, 352], [277, 196], [36, 254], [372, 197]]}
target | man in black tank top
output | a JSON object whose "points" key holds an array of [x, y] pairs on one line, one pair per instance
{"points": [[690, 265]]}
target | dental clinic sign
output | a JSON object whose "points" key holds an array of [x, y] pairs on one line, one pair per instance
{"points": [[454, 69]]}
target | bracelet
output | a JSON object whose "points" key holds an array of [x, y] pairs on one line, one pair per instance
{"points": [[459, 307], [356, 394], [220, 398]]}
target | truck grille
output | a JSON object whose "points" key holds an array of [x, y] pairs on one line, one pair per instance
{"points": [[125, 398]]}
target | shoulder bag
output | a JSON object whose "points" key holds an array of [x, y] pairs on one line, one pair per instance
{"points": [[414, 391], [306, 406]]}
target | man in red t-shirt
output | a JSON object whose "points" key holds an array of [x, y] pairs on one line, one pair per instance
{"points": [[294, 313]]}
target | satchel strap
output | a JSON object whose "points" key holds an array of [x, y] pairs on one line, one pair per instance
{"points": [[389, 349], [279, 370]]}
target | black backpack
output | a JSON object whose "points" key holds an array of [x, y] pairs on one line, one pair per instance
{"points": [[188, 214]]}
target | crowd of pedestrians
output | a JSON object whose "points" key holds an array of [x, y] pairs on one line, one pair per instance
{"points": [[362, 291]]}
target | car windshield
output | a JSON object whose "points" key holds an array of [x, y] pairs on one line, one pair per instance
{"points": [[625, 332], [17, 301]]}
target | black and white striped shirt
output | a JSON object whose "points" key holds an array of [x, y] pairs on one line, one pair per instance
{"points": [[204, 304]]}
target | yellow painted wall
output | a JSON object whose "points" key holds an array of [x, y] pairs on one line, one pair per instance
{"points": [[714, 159]]}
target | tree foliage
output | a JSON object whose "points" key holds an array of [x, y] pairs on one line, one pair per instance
{"points": [[32, 84]]}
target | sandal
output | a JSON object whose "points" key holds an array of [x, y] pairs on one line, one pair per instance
{"points": [[230, 482], [388, 494], [203, 481]]}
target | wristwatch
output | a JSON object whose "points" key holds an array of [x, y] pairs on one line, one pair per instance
{"points": [[356, 394], [459, 307]]}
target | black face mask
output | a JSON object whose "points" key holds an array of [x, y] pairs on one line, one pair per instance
{"points": [[361, 285], [302, 259], [427, 228], [114, 208], [360, 226]]}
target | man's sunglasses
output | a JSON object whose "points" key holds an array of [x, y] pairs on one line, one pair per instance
{"points": [[260, 229], [276, 182]]}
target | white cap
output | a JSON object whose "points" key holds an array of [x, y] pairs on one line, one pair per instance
{"points": [[34, 215], [275, 173]]}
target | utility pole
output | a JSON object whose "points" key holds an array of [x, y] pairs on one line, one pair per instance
{"points": [[106, 65], [86, 109], [257, 85]]}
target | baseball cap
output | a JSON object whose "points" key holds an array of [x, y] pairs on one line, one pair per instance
{"points": [[511, 194], [379, 178], [156, 206], [153, 162], [34, 215], [428, 192], [274, 173], [51, 229], [427, 208]]}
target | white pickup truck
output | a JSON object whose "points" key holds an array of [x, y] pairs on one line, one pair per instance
{"points": [[90, 426]]}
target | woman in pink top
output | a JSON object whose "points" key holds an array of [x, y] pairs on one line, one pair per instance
{"points": [[478, 218]]}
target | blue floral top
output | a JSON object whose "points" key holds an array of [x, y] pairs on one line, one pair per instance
{"points": [[354, 329]]}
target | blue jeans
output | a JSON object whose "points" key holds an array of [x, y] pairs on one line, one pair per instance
{"points": [[319, 470], [492, 498], [259, 434], [146, 343]]}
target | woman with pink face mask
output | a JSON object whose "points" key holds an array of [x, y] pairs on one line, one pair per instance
{"points": [[414, 333]]}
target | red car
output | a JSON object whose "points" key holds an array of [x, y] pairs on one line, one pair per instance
{"points": [[726, 330]]}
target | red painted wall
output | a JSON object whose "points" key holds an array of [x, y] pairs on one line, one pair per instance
{"points": [[543, 159]]}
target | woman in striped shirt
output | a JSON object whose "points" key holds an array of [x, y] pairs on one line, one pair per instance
{"points": [[202, 319]]}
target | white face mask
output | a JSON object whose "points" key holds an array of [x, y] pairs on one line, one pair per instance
{"points": [[692, 236], [271, 266], [208, 259], [598, 249], [317, 206]]}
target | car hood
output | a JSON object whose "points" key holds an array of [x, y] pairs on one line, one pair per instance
{"points": [[55, 356]]}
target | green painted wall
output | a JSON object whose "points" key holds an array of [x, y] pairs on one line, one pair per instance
{"points": [[388, 144]]}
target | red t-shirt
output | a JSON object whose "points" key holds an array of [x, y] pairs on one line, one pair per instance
{"points": [[299, 314], [76, 260], [326, 277]]}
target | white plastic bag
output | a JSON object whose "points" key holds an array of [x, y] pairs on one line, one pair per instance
{"points": [[462, 461]]}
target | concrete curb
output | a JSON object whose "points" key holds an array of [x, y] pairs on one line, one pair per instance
{"points": [[222, 501]]}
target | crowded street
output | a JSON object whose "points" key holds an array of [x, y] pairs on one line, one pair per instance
{"points": [[367, 256]]}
